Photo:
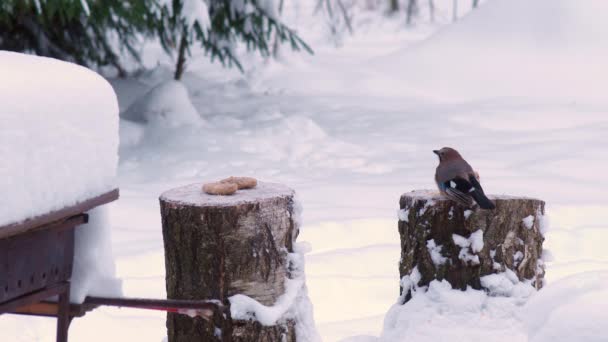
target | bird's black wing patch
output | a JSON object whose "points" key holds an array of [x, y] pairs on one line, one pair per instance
{"points": [[479, 196], [457, 189]]}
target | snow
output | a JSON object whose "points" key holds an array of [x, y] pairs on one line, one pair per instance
{"points": [[507, 284], [528, 221], [476, 240], [531, 57], [94, 270], [467, 213], [435, 252], [192, 194], [350, 136], [83, 3], [58, 138], [166, 104], [472, 244], [543, 223], [572, 309], [403, 215], [442, 314], [246, 308], [196, 11]]}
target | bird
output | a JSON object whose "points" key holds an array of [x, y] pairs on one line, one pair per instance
{"points": [[457, 180]]}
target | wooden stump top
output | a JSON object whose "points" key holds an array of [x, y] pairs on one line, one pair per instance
{"points": [[193, 195], [436, 196]]}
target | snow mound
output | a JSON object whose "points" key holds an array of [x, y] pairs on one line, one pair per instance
{"points": [[58, 138], [166, 104], [548, 49], [440, 313], [94, 270], [571, 309]]}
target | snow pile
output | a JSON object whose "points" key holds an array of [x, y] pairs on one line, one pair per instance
{"points": [[166, 104], [571, 309], [439, 313], [58, 138], [94, 270], [59, 141], [506, 284], [537, 48]]}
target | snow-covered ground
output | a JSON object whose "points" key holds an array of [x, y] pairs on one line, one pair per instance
{"points": [[352, 128]]}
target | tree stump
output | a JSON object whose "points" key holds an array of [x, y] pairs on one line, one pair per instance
{"points": [[443, 240], [219, 246]]}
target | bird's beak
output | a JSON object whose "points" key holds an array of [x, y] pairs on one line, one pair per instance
{"points": [[436, 152]]}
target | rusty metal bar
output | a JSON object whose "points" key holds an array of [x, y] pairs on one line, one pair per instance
{"points": [[202, 308]]}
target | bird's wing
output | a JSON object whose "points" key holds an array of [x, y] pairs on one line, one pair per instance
{"points": [[478, 194], [457, 189]]}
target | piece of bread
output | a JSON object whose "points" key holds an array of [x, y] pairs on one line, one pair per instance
{"points": [[241, 182], [217, 188]]}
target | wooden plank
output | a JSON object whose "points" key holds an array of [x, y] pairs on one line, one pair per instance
{"points": [[42, 220]]}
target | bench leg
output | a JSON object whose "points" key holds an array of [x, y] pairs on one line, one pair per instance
{"points": [[63, 314]]}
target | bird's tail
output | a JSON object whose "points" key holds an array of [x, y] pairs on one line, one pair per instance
{"points": [[479, 196]]}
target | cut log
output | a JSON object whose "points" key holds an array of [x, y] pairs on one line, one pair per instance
{"points": [[219, 246], [443, 240]]}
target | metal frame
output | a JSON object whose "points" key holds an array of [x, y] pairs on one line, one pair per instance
{"points": [[36, 258]]}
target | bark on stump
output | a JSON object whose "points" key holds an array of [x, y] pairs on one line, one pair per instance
{"points": [[219, 246], [512, 239]]}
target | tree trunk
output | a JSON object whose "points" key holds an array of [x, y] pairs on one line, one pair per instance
{"points": [[455, 10], [475, 3], [219, 246], [180, 67], [393, 6], [432, 10], [438, 237], [412, 6]]}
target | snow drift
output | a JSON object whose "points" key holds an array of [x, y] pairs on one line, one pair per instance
{"points": [[165, 104], [540, 48]]}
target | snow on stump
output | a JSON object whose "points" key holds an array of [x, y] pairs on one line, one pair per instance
{"points": [[226, 247], [470, 246]]}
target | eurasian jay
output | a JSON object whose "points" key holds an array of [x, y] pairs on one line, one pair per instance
{"points": [[457, 180]]}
